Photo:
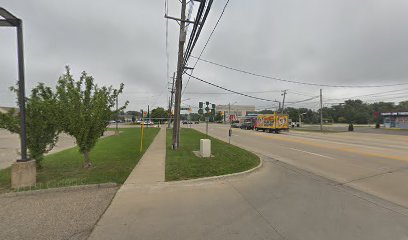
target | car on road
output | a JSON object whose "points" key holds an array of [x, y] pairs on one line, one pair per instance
{"points": [[148, 123], [247, 125], [236, 125]]}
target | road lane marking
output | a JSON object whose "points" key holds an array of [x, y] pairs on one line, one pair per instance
{"points": [[316, 154]]}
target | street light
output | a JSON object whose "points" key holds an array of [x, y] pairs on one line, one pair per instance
{"points": [[11, 21]]}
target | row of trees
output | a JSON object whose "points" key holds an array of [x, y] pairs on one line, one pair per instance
{"points": [[79, 108], [351, 111]]}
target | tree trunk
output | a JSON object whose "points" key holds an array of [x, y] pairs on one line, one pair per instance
{"points": [[87, 163]]}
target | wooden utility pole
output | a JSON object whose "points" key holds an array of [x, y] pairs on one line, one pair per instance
{"points": [[179, 81], [171, 101], [283, 102], [321, 111]]}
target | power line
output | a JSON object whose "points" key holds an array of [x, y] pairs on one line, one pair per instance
{"points": [[297, 82], [229, 90], [198, 26], [208, 40], [304, 100], [222, 93], [372, 94]]}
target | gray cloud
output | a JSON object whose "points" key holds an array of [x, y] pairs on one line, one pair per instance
{"points": [[331, 42]]}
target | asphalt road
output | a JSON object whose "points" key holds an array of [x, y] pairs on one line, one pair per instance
{"points": [[277, 201], [373, 163], [66, 214], [357, 128]]}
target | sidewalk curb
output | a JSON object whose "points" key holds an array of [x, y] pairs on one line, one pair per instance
{"points": [[62, 189]]}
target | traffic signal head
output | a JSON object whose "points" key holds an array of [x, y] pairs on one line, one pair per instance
{"points": [[200, 105], [213, 106]]}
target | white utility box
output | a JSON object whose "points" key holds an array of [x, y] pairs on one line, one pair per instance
{"points": [[205, 147]]}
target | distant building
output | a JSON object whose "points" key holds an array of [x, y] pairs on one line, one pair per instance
{"points": [[236, 111], [395, 120], [6, 109]]}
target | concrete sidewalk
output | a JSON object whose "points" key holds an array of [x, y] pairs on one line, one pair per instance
{"points": [[148, 172], [150, 168]]}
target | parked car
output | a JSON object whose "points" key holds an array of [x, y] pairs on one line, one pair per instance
{"points": [[196, 122], [185, 122], [236, 125], [148, 123], [247, 125]]}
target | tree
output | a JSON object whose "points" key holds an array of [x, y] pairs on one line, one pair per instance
{"points": [[403, 106], [159, 112], [41, 122], [85, 110], [218, 117]]}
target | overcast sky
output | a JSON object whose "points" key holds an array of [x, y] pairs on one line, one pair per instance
{"points": [[343, 42]]}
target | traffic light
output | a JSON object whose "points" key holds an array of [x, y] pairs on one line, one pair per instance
{"points": [[200, 105]]}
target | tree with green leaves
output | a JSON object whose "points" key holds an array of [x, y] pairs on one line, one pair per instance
{"points": [[159, 112], [41, 121], [85, 110]]}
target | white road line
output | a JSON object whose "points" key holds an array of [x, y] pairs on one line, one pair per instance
{"points": [[311, 153]]}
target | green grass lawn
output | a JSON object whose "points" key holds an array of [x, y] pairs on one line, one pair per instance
{"points": [[183, 164], [113, 159]]}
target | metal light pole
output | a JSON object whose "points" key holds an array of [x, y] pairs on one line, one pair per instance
{"points": [[11, 21], [117, 116]]}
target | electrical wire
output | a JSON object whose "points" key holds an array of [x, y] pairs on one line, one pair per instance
{"points": [[371, 94], [222, 93], [208, 40], [229, 90], [297, 82]]}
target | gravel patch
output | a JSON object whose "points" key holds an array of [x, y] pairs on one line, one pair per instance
{"points": [[53, 215]]}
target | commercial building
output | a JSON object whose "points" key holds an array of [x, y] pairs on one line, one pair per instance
{"points": [[395, 119], [6, 109], [234, 111]]}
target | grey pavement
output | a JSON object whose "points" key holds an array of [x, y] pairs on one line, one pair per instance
{"points": [[278, 201], [150, 168], [275, 202], [373, 163], [357, 128], [53, 215]]}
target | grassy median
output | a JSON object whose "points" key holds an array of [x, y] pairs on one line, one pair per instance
{"points": [[184, 164], [113, 159]]}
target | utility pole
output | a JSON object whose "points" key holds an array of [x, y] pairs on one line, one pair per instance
{"points": [[179, 83], [229, 112], [171, 100], [117, 115], [321, 111], [283, 102]]}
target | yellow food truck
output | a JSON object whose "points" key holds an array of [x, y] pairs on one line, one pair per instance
{"points": [[272, 122]]}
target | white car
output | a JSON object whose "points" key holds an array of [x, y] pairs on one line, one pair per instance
{"points": [[148, 123]]}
